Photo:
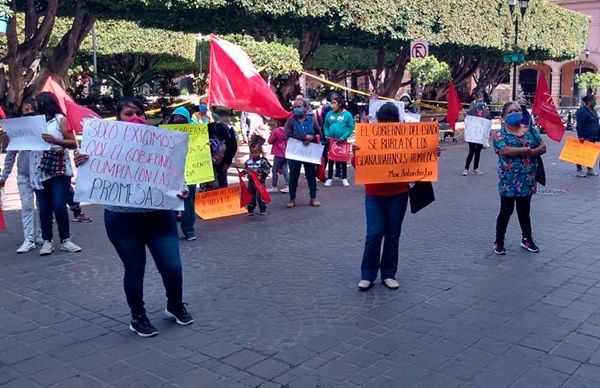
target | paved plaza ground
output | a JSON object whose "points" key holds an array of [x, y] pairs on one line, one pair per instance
{"points": [[275, 300]]}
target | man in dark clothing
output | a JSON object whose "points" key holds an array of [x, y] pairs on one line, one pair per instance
{"points": [[588, 128]]}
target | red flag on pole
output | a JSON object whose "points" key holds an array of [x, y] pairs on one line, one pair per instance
{"points": [[245, 196], [454, 106], [54, 87], [546, 112], [235, 83], [76, 114], [2, 114], [260, 187], [2, 224]]}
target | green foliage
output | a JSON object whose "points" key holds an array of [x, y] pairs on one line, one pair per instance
{"points": [[338, 57], [428, 70], [588, 81], [5, 10]]}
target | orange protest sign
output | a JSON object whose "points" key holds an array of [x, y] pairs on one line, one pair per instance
{"points": [[219, 203], [585, 153], [396, 152]]}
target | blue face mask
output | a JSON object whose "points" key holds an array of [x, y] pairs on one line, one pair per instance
{"points": [[514, 118], [480, 105], [298, 112]]}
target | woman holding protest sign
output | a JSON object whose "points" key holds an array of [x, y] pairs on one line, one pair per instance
{"points": [[50, 173], [338, 127], [479, 109], [131, 230], [385, 207], [304, 128], [518, 148]]}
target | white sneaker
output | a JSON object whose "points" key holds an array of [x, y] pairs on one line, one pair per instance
{"points": [[345, 183], [465, 173], [285, 190], [364, 285], [272, 190], [580, 174], [328, 183], [47, 248], [391, 283], [69, 246], [477, 172], [26, 246]]}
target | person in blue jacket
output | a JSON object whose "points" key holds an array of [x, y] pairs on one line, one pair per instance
{"points": [[338, 127], [587, 128]]}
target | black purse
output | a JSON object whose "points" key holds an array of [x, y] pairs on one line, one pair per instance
{"points": [[420, 195], [540, 174]]}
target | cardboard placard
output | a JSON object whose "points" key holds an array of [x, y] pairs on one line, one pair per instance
{"points": [[585, 153], [198, 163], [219, 203]]}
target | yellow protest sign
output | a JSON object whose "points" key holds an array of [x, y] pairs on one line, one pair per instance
{"points": [[585, 153], [198, 163], [396, 152], [219, 203]]}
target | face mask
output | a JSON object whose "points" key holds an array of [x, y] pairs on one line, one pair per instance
{"points": [[480, 105], [298, 112], [514, 118], [179, 120], [135, 120], [203, 108], [30, 114]]}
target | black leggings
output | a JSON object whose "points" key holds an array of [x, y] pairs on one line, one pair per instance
{"points": [[474, 150], [507, 205], [341, 169]]}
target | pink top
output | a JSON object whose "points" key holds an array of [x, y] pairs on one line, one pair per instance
{"points": [[279, 140]]}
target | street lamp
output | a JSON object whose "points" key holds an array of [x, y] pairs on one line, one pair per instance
{"points": [[523, 5], [199, 39], [587, 55]]}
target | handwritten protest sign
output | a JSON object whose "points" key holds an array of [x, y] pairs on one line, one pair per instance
{"points": [[198, 163], [477, 130], [585, 153], [296, 150], [219, 203], [412, 117], [131, 165], [396, 152], [374, 106], [25, 133]]}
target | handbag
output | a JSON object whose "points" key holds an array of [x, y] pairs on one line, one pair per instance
{"points": [[53, 162], [540, 174], [320, 172], [339, 151], [420, 195]]}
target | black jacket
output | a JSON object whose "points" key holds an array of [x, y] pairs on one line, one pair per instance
{"points": [[587, 124]]}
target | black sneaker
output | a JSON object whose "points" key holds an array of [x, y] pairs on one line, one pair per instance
{"points": [[142, 326], [250, 213], [263, 213], [182, 317], [499, 248], [529, 245]]}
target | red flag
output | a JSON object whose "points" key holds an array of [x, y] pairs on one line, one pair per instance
{"points": [[245, 196], [454, 105], [260, 187], [2, 224], [76, 114], [2, 114], [236, 84], [546, 112], [54, 87]]}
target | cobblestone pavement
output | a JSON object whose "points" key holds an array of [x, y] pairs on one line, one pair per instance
{"points": [[276, 304]]}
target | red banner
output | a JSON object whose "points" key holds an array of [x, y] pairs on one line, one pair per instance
{"points": [[245, 196], [236, 84], [2, 224], [546, 112], [76, 114], [454, 105]]}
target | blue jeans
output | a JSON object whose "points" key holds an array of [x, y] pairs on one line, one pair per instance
{"points": [[131, 233], [384, 222], [279, 163], [309, 171], [53, 200]]}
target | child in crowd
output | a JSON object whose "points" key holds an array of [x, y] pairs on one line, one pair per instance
{"points": [[31, 226], [258, 164], [278, 140]]}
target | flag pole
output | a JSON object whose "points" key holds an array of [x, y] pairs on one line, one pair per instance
{"points": [[208, 72]]}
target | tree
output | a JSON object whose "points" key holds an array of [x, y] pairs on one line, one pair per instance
{"points": [[588, 81], [427, 71]]}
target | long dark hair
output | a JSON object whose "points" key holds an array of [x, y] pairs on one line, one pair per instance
{"points": [[340, 100], [47, 104], [125, 101]]}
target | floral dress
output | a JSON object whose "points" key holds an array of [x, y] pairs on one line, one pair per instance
{"points": [[517, 174]]}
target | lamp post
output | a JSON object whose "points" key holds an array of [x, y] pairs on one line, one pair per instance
{"points": [[587, 55], [96, 86], [516, 57], [199, 39]]}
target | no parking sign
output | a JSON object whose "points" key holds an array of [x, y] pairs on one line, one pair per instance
{"points": [[419, 49]]}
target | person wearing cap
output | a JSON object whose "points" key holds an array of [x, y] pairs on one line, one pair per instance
{"points": [[587, 128], [202, 116], [408, 103]]}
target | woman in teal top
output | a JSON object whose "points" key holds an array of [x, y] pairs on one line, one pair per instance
{"points": [[517, 147], [338, 127]]}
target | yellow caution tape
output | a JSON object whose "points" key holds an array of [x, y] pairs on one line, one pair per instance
{"points": [[153, 111]]}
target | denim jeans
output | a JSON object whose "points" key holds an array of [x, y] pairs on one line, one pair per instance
{"points": [[279, 163], [189, 213], [53, 200], [384, 222], [309, 171], [131, 233], [74, 206]]}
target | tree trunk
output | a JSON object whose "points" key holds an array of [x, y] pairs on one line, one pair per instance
{"points": [[307, 48], [394, 75]]}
